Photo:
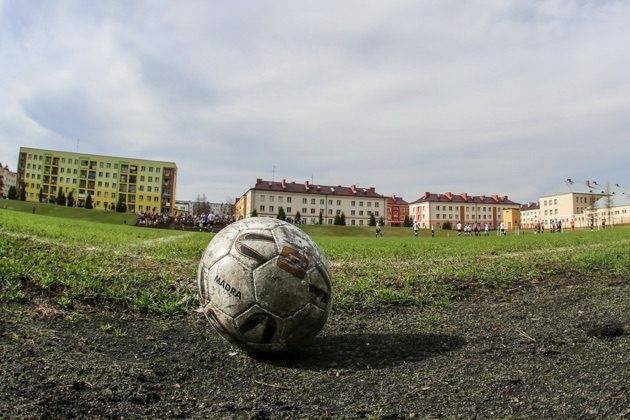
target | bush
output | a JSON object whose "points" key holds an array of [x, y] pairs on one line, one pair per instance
{"points": [[407, 222], [446, 225], [281, 214]]}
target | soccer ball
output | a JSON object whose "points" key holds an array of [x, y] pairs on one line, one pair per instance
{"points": [[265, 285]]}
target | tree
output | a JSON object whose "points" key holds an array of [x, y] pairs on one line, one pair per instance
{"points": [[201, 205], [88, 202], [12, 193], [381, 221], [61, 197], [41, 195], [407, 222], [121, 207], [372, 221], [342, 219], [608, 204], [321, 218], [22, 194], [337, 220], [254, 213], [298, 217], [281, 214], [70, 199], [446, 225]]}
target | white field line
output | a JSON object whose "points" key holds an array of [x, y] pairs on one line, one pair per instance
{"points": [[44, 240]]}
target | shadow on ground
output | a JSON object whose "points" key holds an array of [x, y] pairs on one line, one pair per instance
{"points": [[365, 351]]}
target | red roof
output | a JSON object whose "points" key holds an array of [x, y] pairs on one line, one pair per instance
{"points": [[308, 188], [394, 200], [449, 197]]}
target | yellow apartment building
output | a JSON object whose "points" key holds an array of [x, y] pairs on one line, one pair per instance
{"points": [[143, 185], [357, 204]]}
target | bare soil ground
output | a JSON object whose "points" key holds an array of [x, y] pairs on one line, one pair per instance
{"points": [[555, 350]]}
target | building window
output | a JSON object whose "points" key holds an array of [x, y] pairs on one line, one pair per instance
{"points": [[289, 210], [271, 198], [304, 201], [270, 208], [312, 201], [288, 199], [280, 199], [262, 207]]}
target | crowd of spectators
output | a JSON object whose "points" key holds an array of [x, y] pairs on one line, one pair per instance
{"points": [[202, 222]]}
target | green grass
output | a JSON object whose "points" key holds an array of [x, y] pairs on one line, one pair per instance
{"points": [[80, 261], [69, 212]]}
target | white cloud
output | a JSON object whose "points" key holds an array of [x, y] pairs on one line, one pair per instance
{"points": [[500, 97]]}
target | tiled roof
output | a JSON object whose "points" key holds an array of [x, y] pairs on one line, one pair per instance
{"points": [[449, 197], [569, 186], [395, 200], [530, 206], [308, 188]]}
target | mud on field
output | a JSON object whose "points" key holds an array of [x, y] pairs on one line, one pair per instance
{"points": [[559, 349]]}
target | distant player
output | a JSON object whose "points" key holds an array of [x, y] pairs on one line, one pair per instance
{"points": [[416, 227], [378, 230]]}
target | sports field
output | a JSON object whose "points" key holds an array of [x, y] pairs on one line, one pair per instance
{"points": [[77, 261], [71, 270]]}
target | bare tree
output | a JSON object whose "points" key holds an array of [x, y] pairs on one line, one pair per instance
{"points": [[201, 204], [609, 203]]}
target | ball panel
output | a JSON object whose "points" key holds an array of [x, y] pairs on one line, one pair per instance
{"points": [[259, 330], [254, 248], [304, 325], [228, 285], [278, 290], [319, 287], [289, 235], [220, 245]]}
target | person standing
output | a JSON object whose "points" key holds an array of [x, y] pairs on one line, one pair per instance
{"points": [[433, 231], [378, 230], [416, 227], [458, 227]]}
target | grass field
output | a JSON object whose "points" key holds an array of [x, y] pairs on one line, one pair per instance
{"points": [[80, 257]]}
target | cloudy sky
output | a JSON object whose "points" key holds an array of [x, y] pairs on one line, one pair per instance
{"points": [[485, 97]]}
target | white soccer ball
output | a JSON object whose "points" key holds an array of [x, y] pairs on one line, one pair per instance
{"points": [[265, 285]]}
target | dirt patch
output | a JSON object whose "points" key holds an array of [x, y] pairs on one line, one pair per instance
{"points": [[555, 349]]}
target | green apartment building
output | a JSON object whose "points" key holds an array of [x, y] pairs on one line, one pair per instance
{"points": [[143, 185]]}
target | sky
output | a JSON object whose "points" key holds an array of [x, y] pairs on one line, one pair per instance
{"points": [[485, 97]]}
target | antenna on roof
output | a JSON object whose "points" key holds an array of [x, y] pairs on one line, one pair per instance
{"points": [[312, 179]]}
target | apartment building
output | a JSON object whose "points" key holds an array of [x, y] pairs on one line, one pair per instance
{"points": [[142, 185], [609, 211], [8, 179], [530, 215], [311, 200], [435, 209], [397, 210], [571, 200]]}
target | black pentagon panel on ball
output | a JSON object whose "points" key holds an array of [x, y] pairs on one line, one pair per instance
{"points": [[259, 330]]}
